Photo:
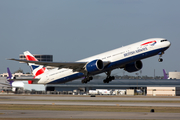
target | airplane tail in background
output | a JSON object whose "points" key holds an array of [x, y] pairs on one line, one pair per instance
{"points": [[37, 70], [9, 74], [165, 75], [9, 77]]}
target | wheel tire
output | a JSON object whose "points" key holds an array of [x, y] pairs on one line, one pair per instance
{"points": [[112, 77], [160, 60], [90, 78], [105, 81], [82, 81]]}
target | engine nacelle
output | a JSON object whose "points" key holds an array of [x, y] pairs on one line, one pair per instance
{"points": [[95, 65], [134, 66]]}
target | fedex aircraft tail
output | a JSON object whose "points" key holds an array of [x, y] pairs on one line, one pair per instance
{"points": [[9, 77], [37, 70], [165, 75], [9, 74]]}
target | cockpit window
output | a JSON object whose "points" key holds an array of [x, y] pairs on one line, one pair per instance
{"points": [[163, 40]]}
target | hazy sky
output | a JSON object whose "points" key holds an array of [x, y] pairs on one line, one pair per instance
{"points": [[71, 30]]}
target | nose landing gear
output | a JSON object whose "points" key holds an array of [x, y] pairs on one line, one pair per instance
{"points": [[160, 55], [160, 59]]}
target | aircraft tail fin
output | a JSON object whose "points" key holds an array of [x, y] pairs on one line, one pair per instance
{"points": [[9, 74], [37, 70], [165, 75], [9, 77]]}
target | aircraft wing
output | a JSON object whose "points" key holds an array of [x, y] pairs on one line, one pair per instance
{"points": [[76, 66]]}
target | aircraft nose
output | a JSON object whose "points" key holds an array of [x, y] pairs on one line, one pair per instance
{"points": [[168, 44]]}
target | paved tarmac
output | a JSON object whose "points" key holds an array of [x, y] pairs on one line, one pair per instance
{"points": [[93, 103], [61, 97], [86, 114], [49, 100]]}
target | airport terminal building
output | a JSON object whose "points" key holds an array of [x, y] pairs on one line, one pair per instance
{"points": [[39, 57], [147, 87]]}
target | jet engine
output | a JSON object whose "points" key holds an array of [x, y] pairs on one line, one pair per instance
{"points": [[134, 66], [95, 65]]}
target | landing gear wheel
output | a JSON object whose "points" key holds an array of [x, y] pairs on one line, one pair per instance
{"points": [[160, 59], [86, 79], [108, 79], [112, 77], [83, 81]]}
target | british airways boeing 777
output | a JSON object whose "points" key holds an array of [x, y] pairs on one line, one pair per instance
{"points": [[128, 57]]}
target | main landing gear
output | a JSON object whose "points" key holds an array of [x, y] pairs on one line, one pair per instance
{"points": [[86, 79], [108, 78], [160, 55]]}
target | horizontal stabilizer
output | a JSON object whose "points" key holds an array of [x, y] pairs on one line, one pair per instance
{"points": [[5, 84], [25, 79]]}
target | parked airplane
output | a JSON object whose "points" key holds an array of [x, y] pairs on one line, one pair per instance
{"points": [[21, 84], [128, 57], [12, 82], [9, 80], [10, 77]]}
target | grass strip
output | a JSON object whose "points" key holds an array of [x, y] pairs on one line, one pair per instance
{"points": [[90, 108]]}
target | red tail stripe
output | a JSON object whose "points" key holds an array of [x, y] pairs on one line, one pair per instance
{"points": [[30, 58], [40, 71]]}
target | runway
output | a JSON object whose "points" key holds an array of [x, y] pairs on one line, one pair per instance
{"points": [[81, 97], [48, 100], [86, 114], [92, 103], [88, 101]]}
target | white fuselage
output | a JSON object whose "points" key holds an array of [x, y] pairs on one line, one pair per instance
{"points": [[117, 58]]}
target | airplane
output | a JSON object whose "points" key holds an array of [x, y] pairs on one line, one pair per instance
{"points": [[12, 83], [10, 77], [9, 80], [15, 85], [128, 58]]}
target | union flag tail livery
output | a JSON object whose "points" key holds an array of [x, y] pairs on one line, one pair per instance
{"points": [[37, 70]]}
